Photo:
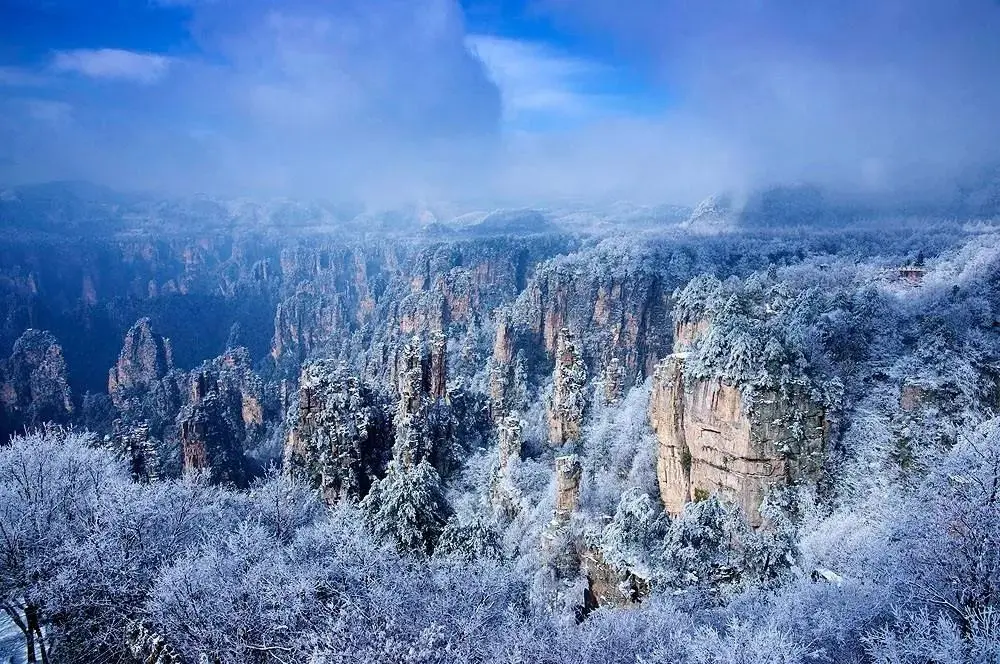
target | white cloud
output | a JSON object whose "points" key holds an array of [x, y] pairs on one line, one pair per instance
{"points": [[537, 81], [113, 63]]}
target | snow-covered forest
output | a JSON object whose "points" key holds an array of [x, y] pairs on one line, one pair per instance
{"points": [[774, 447]]}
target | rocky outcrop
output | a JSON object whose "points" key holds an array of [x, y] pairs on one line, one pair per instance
{"points": [[147, 393], [688, 331], [713, 215], [569, 472], [417, 437], [613, 381], [504, 494], [146, 358], [339, 435], [558, 541], [223, 416], [508, 375], [452, 288], [607, 585], [568, 401], [34, 387], [438, 366], [330, 291], [715, 437]]}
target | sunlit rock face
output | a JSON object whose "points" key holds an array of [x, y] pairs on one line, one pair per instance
{"points": [[715, 437], [454, 289], [569, 472], [687, 332], [34, 387], [338, 435]]}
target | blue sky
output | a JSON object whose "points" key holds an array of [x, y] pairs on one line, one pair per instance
{"points": [[395, 100]]}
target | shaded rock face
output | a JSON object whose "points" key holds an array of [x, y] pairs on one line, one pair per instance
{"points": [[339, 436], [712, 438], [170, 421], [568, 402], [572, 555], [34, 387], [224, 415], [508, 374], [90, 291], [558, 541], [613, 381], [145, 359]]}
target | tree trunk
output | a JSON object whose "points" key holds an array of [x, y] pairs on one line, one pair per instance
{"points": [[29, 637], [29, 644], [31, 622]]}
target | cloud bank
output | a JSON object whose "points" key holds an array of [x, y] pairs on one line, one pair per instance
{"points": [[886, 95], [398, 100]]}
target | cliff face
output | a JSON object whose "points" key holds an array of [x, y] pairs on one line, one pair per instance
{"points": [[424, 421], [454, 289], [88, 292], [569, 472], [34, 387], [618, 309], [608, 586], [713, 439], [328, 292], [339, 436], [133, 443]]}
